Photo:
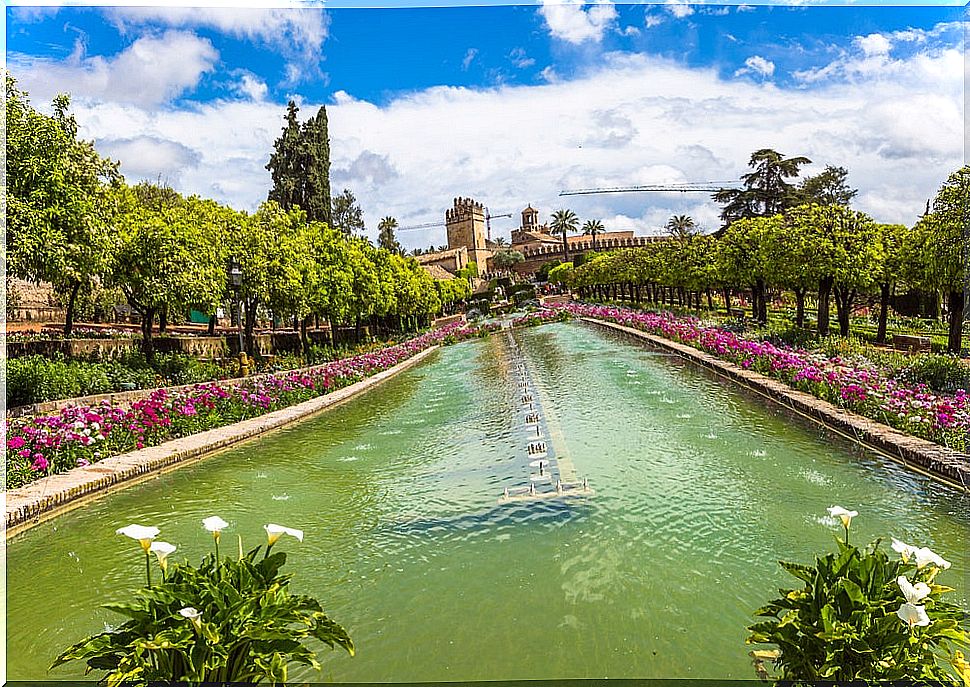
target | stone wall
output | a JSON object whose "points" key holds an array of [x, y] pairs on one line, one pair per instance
{"points": [[206, 347]]}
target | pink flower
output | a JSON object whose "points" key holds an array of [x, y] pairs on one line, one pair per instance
{"points": [[15, 442], [40, 463]]}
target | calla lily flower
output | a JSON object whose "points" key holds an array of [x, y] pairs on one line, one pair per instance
{"points": [[925, 556], [843, 514], [142, 534], [193, 615], [914, 593], [903, 549], [215, 524], [162, 549], [274, 532], [913, 615]]}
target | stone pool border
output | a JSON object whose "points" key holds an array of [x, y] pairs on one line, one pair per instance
{"points": [[920, 455], [51, 496]]}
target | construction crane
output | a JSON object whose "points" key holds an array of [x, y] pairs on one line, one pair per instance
{"points": [[686, 187], [488, 223]]}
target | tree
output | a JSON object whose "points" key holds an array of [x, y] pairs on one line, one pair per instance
{"points": [[742, 260], [501, 241], [385, 235], [300, 165], [766, 190], [941, 245], [506, 259], [165, 258], [563, 222], [681, 226], [60, 199], [845, 256], [347, 215], [592, 227], [895, 239], [828, 187]]}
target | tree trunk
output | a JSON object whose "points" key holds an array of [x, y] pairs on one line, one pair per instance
{"points": [[824, 291], [844, 298], [885, 291], [148, 344], [304, 339], [727, 300], [71, 302], [710, 300], [565, 247], [212, 325], [800, 308], [163, 319], [955, 338], [357, 328], [250, 308]]}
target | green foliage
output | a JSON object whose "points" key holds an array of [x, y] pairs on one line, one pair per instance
{"points": [[59, 198], [385, 235], [766, 189], [507, 258], [560, 274], [842, 624], [943, 373], [346, 213], [300, 166], [542, 274], [250, 627]]}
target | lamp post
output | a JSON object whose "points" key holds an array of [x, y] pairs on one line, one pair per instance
{"points": [[235, 282]]}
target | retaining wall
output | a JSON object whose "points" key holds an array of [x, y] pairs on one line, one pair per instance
{"points": [[41, 500], [918, 454]]}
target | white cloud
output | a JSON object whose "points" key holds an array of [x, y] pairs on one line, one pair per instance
{"points": [[297, 34], [520, 59], [568, 21], [251, 86], [153, 70], [874, 44], [756, 64], [469, 57], [549, 74], [679, 8], [631, 120], [744, 8], [652, 20]]}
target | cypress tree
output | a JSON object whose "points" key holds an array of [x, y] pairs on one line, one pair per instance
{"points": [[300, 165]]}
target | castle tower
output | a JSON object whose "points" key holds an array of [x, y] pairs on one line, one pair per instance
{"points": [[530, 219], [466, 227]]}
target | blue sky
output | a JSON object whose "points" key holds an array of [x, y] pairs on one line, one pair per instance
{"points": [[511, 103]]}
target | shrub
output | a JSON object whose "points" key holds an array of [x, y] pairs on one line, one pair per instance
{"points": [[232, 619], [945, 373], [34, 379], [863, 615]]}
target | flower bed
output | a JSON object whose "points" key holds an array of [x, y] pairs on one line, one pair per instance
{"points": [[861, 388], [540, 317], [80, 435]]}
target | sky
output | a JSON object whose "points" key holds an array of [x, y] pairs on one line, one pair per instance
{"points": [[511, 104]]}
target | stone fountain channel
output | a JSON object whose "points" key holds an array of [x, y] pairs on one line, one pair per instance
{"points": [[549, 470]]}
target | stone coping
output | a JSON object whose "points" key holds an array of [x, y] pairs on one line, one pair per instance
{"points": [[920, 455], [42, 500]]}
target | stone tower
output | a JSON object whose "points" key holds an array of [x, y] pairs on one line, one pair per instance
{"points": [[466, 227], [530, 219]]}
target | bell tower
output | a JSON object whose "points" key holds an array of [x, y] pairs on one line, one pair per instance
{"points": [[466, 227]]}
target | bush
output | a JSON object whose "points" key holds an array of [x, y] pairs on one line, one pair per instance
{"points": [[232, 619], [945, 373], [34, 379], [863, 615]]}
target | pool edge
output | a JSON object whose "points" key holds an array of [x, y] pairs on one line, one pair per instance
{"points": [[920, 455], [45, 499]]}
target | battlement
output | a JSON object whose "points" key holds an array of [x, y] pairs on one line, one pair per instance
{"points": [[464, 208]]}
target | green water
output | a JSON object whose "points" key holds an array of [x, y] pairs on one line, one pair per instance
{"points": [[699, 489]]}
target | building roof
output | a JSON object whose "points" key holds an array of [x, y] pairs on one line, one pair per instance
{"points": [[438, 272], [440, 255]]}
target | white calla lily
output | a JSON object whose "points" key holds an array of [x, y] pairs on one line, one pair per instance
{"points": [[925, 556], [274, 532], [913, 615], [914, 593], [162, 549], [215, 524], [143, 535], [843, 514], [903, 549], [193, 615]]}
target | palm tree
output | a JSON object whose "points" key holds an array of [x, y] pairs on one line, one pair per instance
{"points": [[385, 235], [500, 241], [681, 226], [592, 228], [563, 222]]}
